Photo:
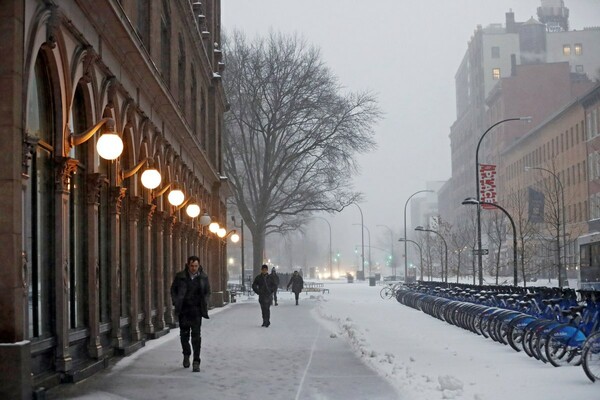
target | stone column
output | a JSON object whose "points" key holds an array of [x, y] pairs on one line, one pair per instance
{"points": [[177, 233], [135, 205], [159, 271], [94, 185], [169, 274], [147, 264], [117, 194], [65, 167]]}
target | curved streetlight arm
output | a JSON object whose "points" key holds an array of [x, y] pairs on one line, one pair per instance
{"points": [[130, 172], [479, 252], [405, 235], [420, 228], [108, 124]]}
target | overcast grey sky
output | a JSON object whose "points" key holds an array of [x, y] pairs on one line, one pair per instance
{"points": [[407, 52]]}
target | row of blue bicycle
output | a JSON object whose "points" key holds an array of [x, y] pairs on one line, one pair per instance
{"points": [[556, 326]]}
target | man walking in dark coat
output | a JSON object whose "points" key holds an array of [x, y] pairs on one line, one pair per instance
{"points": [[263, 286], [190, 292], [297, 284]]}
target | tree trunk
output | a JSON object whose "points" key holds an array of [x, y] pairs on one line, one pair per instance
{"points": [[258, 248]]}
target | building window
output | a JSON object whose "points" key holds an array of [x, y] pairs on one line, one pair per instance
{"points": [[496, 73], [39, 210], [143, 22], [181, 74], [566, 50], [495, 52], [165, 42], [578, 49], [194, 101]]}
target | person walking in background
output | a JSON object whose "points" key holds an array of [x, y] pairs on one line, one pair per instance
{"points": [[263, 286], [190, 291], [275, 279], [297, 284]]}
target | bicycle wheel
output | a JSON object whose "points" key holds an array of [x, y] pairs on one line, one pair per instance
{"points": [[591, 357], [386, 292]]}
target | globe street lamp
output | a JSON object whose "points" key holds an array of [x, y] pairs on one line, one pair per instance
{"points": [[477, 188], [557, 184], [420, 253], [421, 229], [405, 247], [473, 201], [392, 259]]}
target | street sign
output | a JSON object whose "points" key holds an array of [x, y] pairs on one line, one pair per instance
{"points": [[484, 252]]}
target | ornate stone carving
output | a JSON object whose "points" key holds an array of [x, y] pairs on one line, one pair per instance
{"points": [[29, 145], [117, 194], [89, 59], [65, 166], [148, 212], [94, 187], [52, 25], [135, 207]]}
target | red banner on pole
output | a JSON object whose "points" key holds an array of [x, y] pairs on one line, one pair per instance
{"points": [[487, 185]]}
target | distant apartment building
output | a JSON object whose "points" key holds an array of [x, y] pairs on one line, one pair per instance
{"points": [[571, 60]]}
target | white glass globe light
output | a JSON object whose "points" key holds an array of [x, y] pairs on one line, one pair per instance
{"points": [[221, 232], [235, 238], [213, 227], [205, 219], [151, 178], [193, 210], [109, 146], [176, 197]]}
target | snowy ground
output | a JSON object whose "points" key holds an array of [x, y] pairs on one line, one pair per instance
{"points": [[426, 359]]}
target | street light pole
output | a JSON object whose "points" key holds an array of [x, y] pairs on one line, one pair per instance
{"points": [[421, 229], [242, 246], [477, 188], [362, 241], [393, 259], [473, 201], [420, 253], [369, 232], [405, 236], [330, 253], [558, 184]]}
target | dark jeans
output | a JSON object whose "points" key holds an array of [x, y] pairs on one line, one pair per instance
{"points": [[275, 296], [265, 307], [297, 295], [189, 324]]}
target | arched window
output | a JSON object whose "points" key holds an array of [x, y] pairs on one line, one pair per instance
{"points": [[77, 216], [165, 42], [194, 101], [38, 221], [181, 74]]}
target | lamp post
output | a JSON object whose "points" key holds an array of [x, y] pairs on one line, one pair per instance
{"points": [[362, 241], [405, 247], [242, 247], [330, 253], [420, 253], [393, 259], [557, 184], [369, 232], [473, 201], [421, 229], [477, 188]]}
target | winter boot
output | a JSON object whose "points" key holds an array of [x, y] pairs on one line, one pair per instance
{"points": [[186, 361], [196, 366]]}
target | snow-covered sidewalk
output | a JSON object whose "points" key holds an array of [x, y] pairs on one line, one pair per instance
{"points": [[428, 359]]}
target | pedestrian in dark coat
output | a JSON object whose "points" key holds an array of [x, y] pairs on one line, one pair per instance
{"points": [[297, 284], [263, 286], [190, 292], [275, 278]]}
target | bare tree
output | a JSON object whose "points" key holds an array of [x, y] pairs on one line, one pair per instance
{"points": [[291, 134], [496, 227], [526, 230], [460, 237]]}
